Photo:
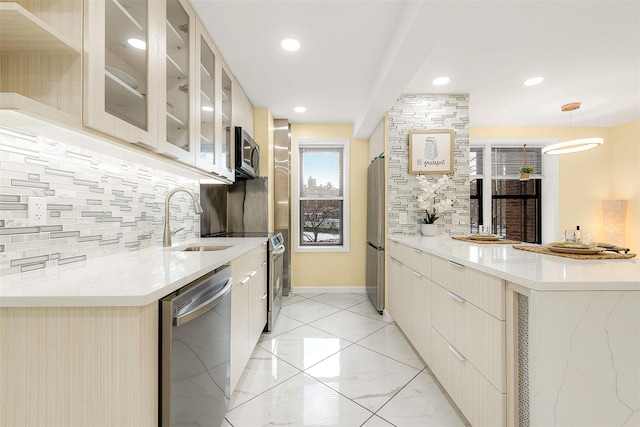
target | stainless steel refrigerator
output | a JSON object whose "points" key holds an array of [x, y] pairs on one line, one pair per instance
{"points": [[375, 233]]}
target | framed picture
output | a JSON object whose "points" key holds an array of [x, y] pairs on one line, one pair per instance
{"points": [[431, 151]]}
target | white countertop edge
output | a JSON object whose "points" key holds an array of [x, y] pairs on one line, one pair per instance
{"points": [[169, 270], [630, 283]]}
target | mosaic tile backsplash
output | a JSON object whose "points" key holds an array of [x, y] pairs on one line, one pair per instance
{"points": [[96, 205], [424, 112]]}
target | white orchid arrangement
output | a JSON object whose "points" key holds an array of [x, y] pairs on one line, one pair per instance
{"points": [[427, 199]]}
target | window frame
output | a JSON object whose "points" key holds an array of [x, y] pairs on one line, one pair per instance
{"points": [[550, 183], [342, 143]]}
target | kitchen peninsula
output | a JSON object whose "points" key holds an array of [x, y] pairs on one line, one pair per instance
{"points": [[519, 338], [79, 343]]}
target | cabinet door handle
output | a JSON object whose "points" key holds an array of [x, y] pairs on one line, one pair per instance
{"points": [[417, 250], [264, 263], [455, 264], [416, 274], [253, 273], [456, 297], [457, 353], [245, 280], [264, 297]]}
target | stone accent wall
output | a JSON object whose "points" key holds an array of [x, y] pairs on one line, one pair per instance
{"points": [[425, 112], [96, 205]]}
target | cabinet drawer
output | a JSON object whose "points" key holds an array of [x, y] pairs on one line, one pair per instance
{"points": [[251, 261], [482, 290], [480, 402], [476, 334], [416, 259]]}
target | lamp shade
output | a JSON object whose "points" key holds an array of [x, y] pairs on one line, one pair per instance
{"points": [[615, 218]]}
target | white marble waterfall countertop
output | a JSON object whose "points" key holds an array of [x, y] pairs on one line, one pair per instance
{"points": [[532, 270], [133, 278]]}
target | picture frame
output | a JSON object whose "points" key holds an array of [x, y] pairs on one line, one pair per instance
{"points": [[431, 151]]}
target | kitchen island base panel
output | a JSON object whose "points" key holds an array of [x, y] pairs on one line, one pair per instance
{"points": [[79, 366], [584, 362]]}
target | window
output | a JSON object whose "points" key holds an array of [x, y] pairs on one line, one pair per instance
{"points": [[321, 191], [518, 210]]}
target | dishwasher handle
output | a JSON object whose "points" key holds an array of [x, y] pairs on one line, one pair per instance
{"points": [[200, 309]]}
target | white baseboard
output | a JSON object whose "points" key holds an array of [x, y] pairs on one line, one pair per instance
{"points": [[329, 290]]}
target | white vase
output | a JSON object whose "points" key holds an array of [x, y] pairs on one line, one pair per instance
{"points": [[429, 229]]}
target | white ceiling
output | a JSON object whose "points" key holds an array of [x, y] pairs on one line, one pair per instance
{"points": [[357, 57]]}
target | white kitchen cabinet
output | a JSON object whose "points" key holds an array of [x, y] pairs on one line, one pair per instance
{"points": [[410, 295], [469, 347], [455, 317], [226, 162], [79, 366], [177, 137], [214, 143], [41, 59], [124, 85], [248, 307]]}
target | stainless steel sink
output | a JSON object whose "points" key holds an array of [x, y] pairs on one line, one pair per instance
{"points": [[202, 248]]}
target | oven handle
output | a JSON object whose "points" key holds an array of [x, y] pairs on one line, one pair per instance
{"points": [[279, 250], [202, 308]]}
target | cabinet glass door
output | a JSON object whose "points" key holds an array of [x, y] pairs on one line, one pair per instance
{"points": [[126, 61], [206, 157], [226, 155], [177, 63], [121, 77]]}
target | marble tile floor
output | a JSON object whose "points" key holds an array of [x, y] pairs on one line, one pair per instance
{"points": [[332, 360]]}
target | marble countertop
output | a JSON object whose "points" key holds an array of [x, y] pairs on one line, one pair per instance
{"points": [[535, 271], [126, 279]]}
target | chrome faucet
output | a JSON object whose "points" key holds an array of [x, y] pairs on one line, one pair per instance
{"points": [[166, 237]]}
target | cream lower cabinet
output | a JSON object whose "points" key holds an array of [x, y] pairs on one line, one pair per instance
{"points": [[79, 366], [455, 318], [410, 295], [248, 307]]}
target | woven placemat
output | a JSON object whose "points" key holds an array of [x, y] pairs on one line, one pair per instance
{"points": [[486, 242], [601, 255]]}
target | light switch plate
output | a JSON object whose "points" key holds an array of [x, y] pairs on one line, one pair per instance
{"points": [[37, 210]]}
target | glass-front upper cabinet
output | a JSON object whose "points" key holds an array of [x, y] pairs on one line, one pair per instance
{"points": [[227, 155], [208, 133], [121, 95], [179, 37]]}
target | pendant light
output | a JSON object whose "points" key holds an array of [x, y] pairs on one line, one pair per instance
{"points": [[574, 145]]}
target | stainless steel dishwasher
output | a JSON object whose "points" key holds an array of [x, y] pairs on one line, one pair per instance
{"points": [[195, 345]]}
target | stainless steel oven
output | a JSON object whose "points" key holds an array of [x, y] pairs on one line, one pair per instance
{"points": [[195, 345], [274, 287]]}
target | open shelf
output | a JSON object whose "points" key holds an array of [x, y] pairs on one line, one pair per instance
{"points": [[22, 31]]}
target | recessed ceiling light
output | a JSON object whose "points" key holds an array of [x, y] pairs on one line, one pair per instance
{"points": [[290, 44], [300, 109], [137, 43], [207, 108], [441, 81], [533, 81]]}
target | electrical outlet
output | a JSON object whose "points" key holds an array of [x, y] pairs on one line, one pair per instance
{"points": [[402, 217], [37, 210]]}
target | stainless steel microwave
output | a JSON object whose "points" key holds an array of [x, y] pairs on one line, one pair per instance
{"points": [[247, 155]]}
